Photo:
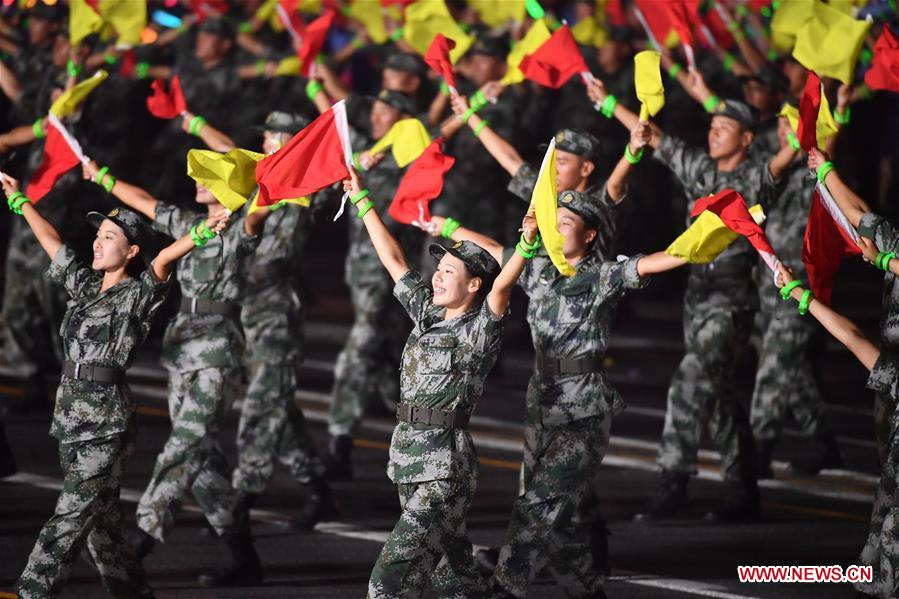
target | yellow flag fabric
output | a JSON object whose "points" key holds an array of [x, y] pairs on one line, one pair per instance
{"points": [[496, 13], [648, 83], [312, 7], [590, 32], [427, 18], [230, 177], [83, 21], [288, 67], [368, 13], [71, 99], [305, 201], [787, 19], [266, 11], [544, 203], [407, 139], [127, 17], [825, 126], [535, 37], [707, 237], [829, 43]]}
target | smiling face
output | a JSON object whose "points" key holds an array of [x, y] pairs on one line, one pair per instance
{"points": [[383, 117], [577, 232], [452, 283], [727, 138], [112, 250], [572, 171]]}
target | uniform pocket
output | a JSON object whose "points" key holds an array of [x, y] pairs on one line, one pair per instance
{"points": [[96, 326], [436, 356]]}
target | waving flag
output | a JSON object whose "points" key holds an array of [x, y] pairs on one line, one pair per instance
{"points": [[424, 20], [679, 18], [407, 139], [648, 83], [536, 36], [166, 104], [230, 177], [544, 203], [555, 61], [69, 101], [829, 43], [422, 183], [84, 20], [314, 40], [61, 154], [731, 207], [707, 237], [438, 58], [829, 239], [884, 71]]}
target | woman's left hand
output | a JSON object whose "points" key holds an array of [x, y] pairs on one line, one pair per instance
{"points": [[869, 249], [784, 276], [218, 222], [529, 226], [10, 185]]}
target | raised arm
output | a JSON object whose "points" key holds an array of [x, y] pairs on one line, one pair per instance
{"points": [[9, 83], [617, 182], [46, 234], [388, 248], [439, 226], [165, 260], [849, 203], [501, 150], [131, 195], [597, 93], [215, 139], [20, 136], [498, 298], [781, 161]]}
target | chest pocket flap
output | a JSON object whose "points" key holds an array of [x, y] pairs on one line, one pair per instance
{"points": [[435, 354], [95, 324]]}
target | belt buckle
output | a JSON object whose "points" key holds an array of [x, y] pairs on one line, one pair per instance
{"points": [[77, 373], [193, 305], [412, 410]]}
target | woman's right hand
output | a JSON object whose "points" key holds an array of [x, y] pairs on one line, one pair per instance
{"points": [[353, 185], [460, 104], [784, 276], [10, 185], [596, 91], [434, 227], [89, 170], [816, 158], [218, 222]]}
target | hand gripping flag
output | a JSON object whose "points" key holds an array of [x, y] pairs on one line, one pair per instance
{"points": [[556, 61], [829, 238], [884, 71], [544, 203], [61, 154], [422, 183], [438, 58], [230, 177], [407, 139], [316, 157], [69, 101], [648, 83], [533, 39], [825, 126], [166, 104], [707, 236]]}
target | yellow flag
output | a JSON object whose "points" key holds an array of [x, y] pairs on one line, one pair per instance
{"points": [[825, 126], [266, 11], [288, 67], [535, 37], [127, 17], [787, 19], [312, 7], [590, 32], [230, 177], [496, 13], [648, 83], [368, 13], [71, 99], [707, 237], [408, 138], [829, 43], [544, 202], [305, 202], [83, 21], [427, 18]]}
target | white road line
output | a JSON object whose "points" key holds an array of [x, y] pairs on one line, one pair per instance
{"points": [[700, 589]]}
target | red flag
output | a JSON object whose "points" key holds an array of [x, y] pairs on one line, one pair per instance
{"points": [[313, 159], [884, 71], [615, 13], [556, 61], [731, 208], [59, 157], [289, 15], [826, 245], [209, 8], [126, 69], [656, 23], [437, 57], [679, 17], [313, 40], [422, 183], [166, 104], [809, 105]]}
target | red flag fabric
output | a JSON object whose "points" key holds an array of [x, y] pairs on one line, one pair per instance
{"points": [[809, 105], [656, 22], [209, 8], [166, 104], [679, 17], [59, 158], [556, 61], [313, 159], [884, 71], [825, 247], [437, 57], [289, 13], [422, 183], [718, 28], [129, 63], [314, 40], [730, 206], [615, 13]]}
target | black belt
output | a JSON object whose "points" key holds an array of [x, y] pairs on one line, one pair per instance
{"points": [[556, 366], [96, 374], [193, 305], [269, 272], [418, 415]]}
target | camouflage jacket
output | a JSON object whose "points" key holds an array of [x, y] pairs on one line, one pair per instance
{"points": [[570, 318], [213, 272], [765, 142], [522, 185], [99, 329], [726, 283], [444, 365]]}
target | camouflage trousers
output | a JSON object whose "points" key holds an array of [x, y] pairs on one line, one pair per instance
{"points": [[429, 542], [784, 381], [272, 428], [547, 527], [88, 511], [368, 366], [701, 393], [192, 459], [881, 550]]}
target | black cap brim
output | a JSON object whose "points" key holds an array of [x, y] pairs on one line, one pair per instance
{"points": [[438, 251], [95, 219]]}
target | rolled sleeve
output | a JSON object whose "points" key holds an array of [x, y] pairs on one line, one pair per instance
{"points": [[620, 277], [172, 221], [884, 377], [68, 271], [523, 182], [885, 235], [414, 295]]}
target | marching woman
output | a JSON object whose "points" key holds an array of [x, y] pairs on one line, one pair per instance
{"points": [[458, 321], [108, 317]]}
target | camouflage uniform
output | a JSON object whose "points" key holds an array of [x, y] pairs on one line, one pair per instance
{"points": [[271, 425], [569, 417], [95, 425], [718, 309], [880, 550], [202, 353], [435, 469], [784, 381]]}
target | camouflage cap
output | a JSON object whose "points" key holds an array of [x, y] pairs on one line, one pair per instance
{"points": [[284, 122], [739, 111], [577, 142], [581, 204], [478, 260], [397, 100], [408, 62], [488, 45], [134, 225]]}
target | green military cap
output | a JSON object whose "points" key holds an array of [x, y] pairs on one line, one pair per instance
{"points": [[219, 26], [584, 206], [284, 122], [577, 142], [397, 100], [408, 62], [478, 260], [132, 224], [739, 111]]}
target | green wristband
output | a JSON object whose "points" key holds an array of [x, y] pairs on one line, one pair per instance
{"points": [[523, 252], [632, 158], [313, 88], [865, 56], [204, 231], [804, 302], [608, 106], [357, 43], [364, 210], [110, 59], [467, 114], [449, 227], [356, 164], [480, 127], [245, 27], [728, 61], [359, 196], [260, 67], [793, 141], [733, 26], [824, 170], [711, 103], [196, 124], [481, 99], [883, 260], [444, 88], [397, 34], [100, 174], [742, 10], [674, 69], [788, 288], [531, 247], [198, 238], [20, 200], [108, 183], [142, 69], [72, 69], [842, 119], [38, 129]]}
